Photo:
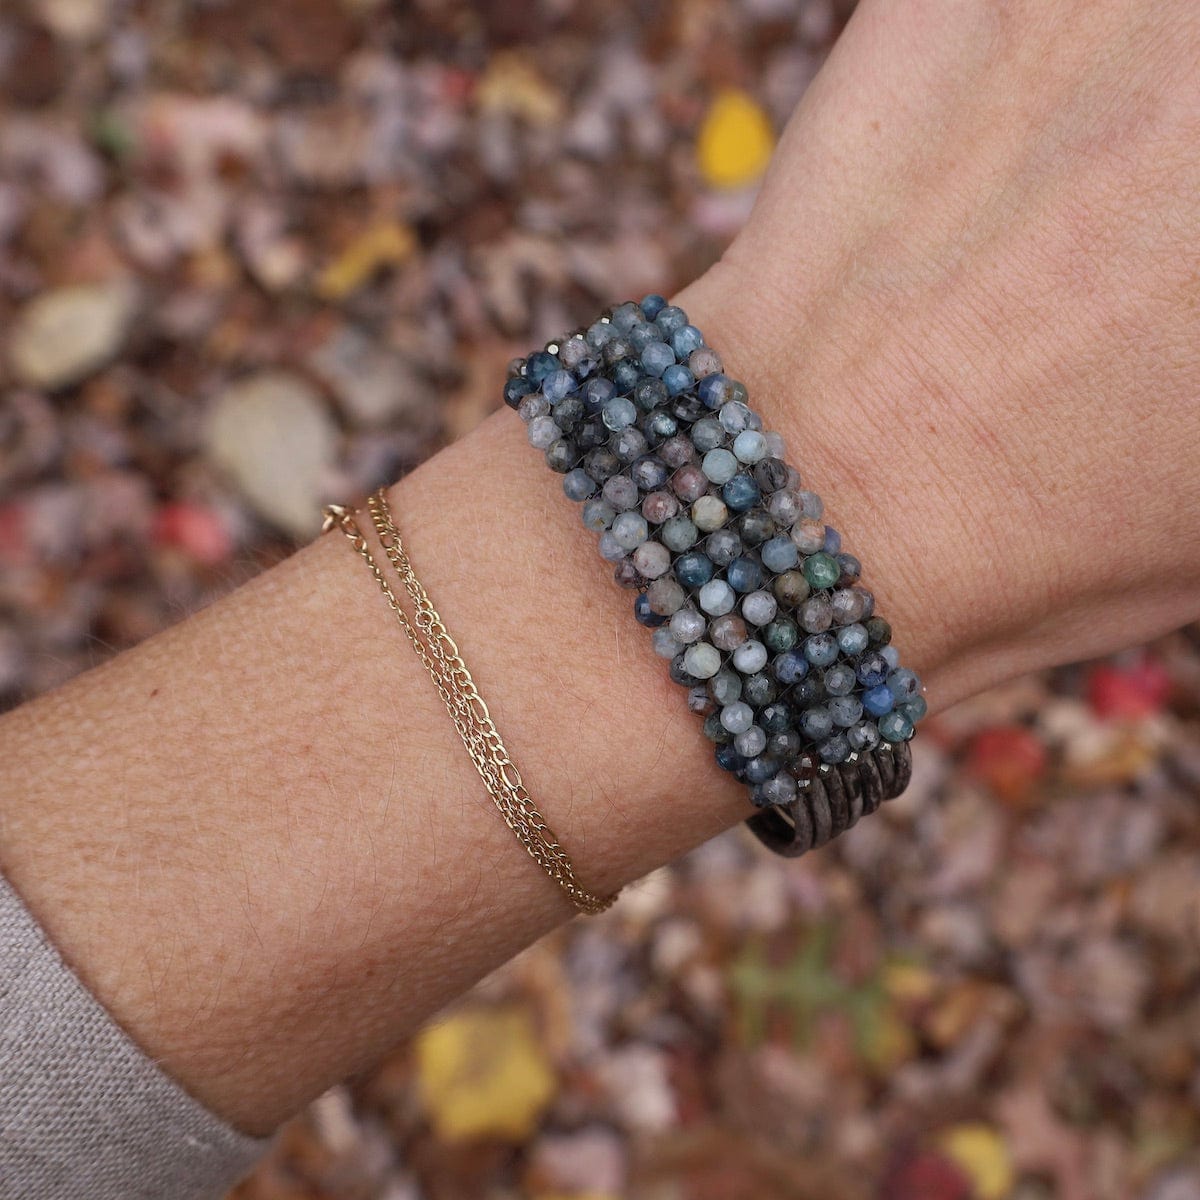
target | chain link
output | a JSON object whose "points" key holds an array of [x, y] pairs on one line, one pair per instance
{"points": [[440, 656]]}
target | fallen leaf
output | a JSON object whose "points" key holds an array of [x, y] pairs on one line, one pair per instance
{"points": [[736, 141], [387, 244], [983, 1155]]}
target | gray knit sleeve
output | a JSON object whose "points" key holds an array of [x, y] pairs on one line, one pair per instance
{"points": [[83, 1112]]}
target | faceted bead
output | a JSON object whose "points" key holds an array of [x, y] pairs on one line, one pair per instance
{"points": [[852, 639], [749, 446], [872, 670], [596, 393], [600, 463], [678, 379], [699, 701], [558, 384], [891, 656], [741, 492], [878, 701], [713, 390], [652, 559], [709, 513], [750, 657], [533, 405], [619, 412], [761, 769], [578, 484], [543, 432], [735, 416], [671, 319], [835, 749], [754, 526], [515, 389], [790, 667], [879, 631], [715, 731], [649, 473], [630, 530], [568, 412], [821, 570], [895, 727], [626, 575], [723, 546], [727, 632], [752, 742], [851, 568], [759, 689], [744, 574], [703, 362], [649, 394], [914, 709], [775, 718], [679, 673], [780, 635], [658, 507], [725, 686], [816, 614], [685, 340], [728, 758], [629, 445], [597, 515], [689, 483], [717, 598], [665, 596], [652, 305], [791, 589], [641, 335], [657, 357], [821, 649], [678, 534], [688, 625], [779, 789], [760, 607], [845, 710], [612, 352], [707, 435], [770, 473], [833, 540], [848, 606], [644, 614], [812, 506], [677, 450], [839, 679], [737, 717], [624, 316], [904, 684], [687, 408], [702, 660], [561, 455], [540, 364], [621, 492], [719, 465], [783, 506], [863, 737], [611, 550], [779, 553], [693, 569], [573, 352], [663, 643], [816, 723]]}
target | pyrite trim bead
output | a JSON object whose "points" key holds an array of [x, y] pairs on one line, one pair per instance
{"points": [[834, 801]]}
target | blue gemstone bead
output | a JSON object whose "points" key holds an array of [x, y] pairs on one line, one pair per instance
{"points": [[895, 727], [644, 613], [657, 357], [713, 390], [872, 670], [744, 574], [625, 376], [779, 554], [762, 768], [693, 569], [597, 514], [741, 492], [878, 701], [863, 736], [790, 667], [904, 684], [686, 339], [816, 723], [600, 333], [625, 316], [540, 364], [652, 305], [649, 473], [596, 392], [833, 540], [775, 718], [839, 679], [728, 759], [678, 379], [914, 709], [890, 655], [558, 384], [846, 710], [578, 484], [670, 319], [516, 389], [835, 749], [618, 412], [821, 649], [640, 336], [852, 639]]}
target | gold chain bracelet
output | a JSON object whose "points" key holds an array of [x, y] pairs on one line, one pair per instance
{"points": [[439, 654]]}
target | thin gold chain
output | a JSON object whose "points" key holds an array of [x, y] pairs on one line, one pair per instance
{"points": [[440, 656]]}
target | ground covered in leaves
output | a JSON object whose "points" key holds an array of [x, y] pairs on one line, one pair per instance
{"points": [[339, 220]]}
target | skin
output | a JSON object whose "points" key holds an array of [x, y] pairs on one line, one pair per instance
{"points": [[968, 299]]}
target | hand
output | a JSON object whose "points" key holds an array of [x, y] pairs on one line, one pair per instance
{"points": [[969, 296]]}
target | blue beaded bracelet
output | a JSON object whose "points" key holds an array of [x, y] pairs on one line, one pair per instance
{"points": [[748, 593]]}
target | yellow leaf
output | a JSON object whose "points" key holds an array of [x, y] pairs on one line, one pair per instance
{"points": [[983, 1156], [482, 1072], [735, 141], [511, 86], [906, 981], [385, 244]]}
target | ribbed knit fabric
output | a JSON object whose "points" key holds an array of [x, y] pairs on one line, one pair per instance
{"points": [[84, 1114]]}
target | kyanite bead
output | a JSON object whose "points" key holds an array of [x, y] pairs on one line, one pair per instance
{"points": [[685, 340], [779, 553], [821, 649], [658, 507], [760, 689], [640, 336], [678, 534], [770, 473], [630, 530], [759, 607], [596, 392], [677, 450], [775, 718], [750, 657], [816, 723], [578, 484], [816, 614], [568, 413], [785, 744], [717, 598], [744, 574], [723, 546], [727, 632], [790, 667], [903, 684], [610, 549], [543, 432], [698, 700], [621, 492], [671, 319], [540, 364], [515, 389], [693, 569], [839, 679], [649, 473], [557, 385], [689, 483], [719, 465], [845, 710], [600, 463], [532, 406], [735, 416], [914, 709], [618, 412], [661, 425], [709, 513], [791, 589], [652, 559], [574, 352], [663, 643], [625, 376], [561, 455], [657, 357], [852, 640], [749, 446], [849, 606], [725, 686], [821, 570], [872, 669], [780, 635], [895, 727], [652, 305], [878, 701], [648, 394], [835, 749], [629, 445], [601, 332], [597, 515], [737, 717], [688, 625], [626, 575], [716, 732], [704, 361], [833, 540], [813, 507], [863, 736], [666, 596], [808, 535], [779, 789], [713, 390], [851, 568], [754, 526], [728, 758], [678, 379], [703, 661], [751, 743], [741, 492], [707, 435], [625, 316], [784, 507], [891, 656], [644, 614], [879, 631]]}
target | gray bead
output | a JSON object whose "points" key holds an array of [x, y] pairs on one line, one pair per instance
{"points": [[811, 504], [727, 632], [750, 657], [709, 513], [543, 432], [702, 660], [751, 743], [618, 412], [723, 546], [760, 607], [816, 614], [574, 351], [808, 536], [845, 710], [719, 465], [784, 507], [725, 686], [848, 606], [735, 416], [621, 492], [533, 405], [779, 789], [707, 435], [578, 484], [664, 643], [779, 553], [704, 361], [737, 717], [630, 530], [717, 598], [687, 625], [611, 550], [597, 515], [678, 534], [665, 596], [677, 450], [629, 444], [774, 444], [658, 507], [749, 446], [652, 559]]}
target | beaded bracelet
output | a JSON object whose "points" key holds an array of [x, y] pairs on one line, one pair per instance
{"points": [[749, 595]]}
